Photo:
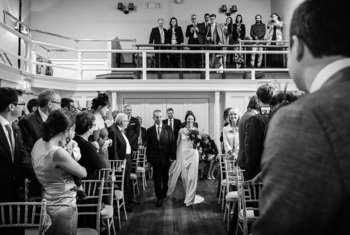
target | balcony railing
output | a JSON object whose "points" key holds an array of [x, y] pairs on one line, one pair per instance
{"points": [[75, 62]]}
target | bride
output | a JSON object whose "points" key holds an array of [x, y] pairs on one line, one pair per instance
{"points": [[186, 164]]}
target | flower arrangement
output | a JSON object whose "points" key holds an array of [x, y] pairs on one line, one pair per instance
{"points": [[194, 136]]}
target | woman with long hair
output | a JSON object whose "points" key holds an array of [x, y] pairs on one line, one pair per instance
{"points": [[100, 135], [55, 168], [230, 135], [238, 34], [174, 36]]}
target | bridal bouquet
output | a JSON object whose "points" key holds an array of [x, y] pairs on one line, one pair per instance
{"points": [[194, 136]]}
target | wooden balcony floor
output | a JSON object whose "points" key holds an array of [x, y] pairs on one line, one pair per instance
{"points": [[174, 217]]}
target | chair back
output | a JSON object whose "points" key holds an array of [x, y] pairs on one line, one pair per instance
{"points": [[142, 156], [135, 160], [118, 174], [231, 174], [222, 166], [248, 202], [23, 215], [108, 189], [94, 191]]}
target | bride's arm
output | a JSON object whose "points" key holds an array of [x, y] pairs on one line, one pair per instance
{"points": [[179, 138]]}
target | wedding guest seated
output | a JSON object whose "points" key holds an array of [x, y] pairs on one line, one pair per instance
{"points": [[208, 156], [55, 168], [90, 159]]}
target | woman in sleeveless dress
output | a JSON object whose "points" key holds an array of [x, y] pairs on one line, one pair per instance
{"points": [[55, 168], [186, 164]]}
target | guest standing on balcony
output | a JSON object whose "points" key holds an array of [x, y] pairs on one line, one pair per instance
{"points": [[203, 28], [275, 27], [227, 29], [55, 168], [257, 32], [158, 36], [174, 36], [214, 36], [192, 32], [238, 34]]}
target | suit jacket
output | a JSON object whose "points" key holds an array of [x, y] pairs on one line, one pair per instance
{"points": [[202, 32], [32, 129], [160, 152], [218, 36], [90, 159], [190, 35], [118, 149], [255, 132], [155, 37], [242, 135], [306, 162], [235, 35], [143, 136], [133, 132], [10, 171], [176, 125], [178, 33]]}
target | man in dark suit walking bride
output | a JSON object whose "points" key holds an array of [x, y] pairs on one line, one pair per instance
{"points": [[161, 148]]}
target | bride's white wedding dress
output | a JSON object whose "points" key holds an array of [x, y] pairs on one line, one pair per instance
{"points": [[186, 164]]}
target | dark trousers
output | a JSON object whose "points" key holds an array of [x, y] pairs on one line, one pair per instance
{"points": [[195, 60], [160, 177], [127, 181]]}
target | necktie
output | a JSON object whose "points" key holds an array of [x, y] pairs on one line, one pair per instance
{"points": [[10, 134], [171, 123], [158, 132]]}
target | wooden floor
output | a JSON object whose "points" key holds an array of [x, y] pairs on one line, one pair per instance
{"points": [[174, 218]]}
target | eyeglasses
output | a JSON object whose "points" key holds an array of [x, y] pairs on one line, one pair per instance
{"points": [[55, 102], [22, 104]]}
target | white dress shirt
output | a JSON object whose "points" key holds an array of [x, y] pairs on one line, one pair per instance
{"points": [[42, 115], [327, 72], [128, 148], [5, 122]]}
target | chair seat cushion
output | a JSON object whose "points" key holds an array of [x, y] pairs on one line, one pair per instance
{"points": [[231, 196], [133, 176], [86, 231], [223, 182], [107, 212], [249, 213], [31, 231], [140, 169], [118, 194]]}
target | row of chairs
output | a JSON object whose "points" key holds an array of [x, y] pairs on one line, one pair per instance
{"points": [[234, 191]]}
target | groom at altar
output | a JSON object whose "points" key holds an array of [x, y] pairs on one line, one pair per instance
{"points": [[161, 148]]}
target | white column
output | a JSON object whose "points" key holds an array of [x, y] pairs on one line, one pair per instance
{"points": [[114, 101], [217, 120]]}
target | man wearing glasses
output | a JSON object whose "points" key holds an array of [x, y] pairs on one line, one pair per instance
{"points": [[192, 32], [11, 151], [32, 128]]}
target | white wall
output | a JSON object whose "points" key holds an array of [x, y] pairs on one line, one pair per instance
{"points": [[285, 10], [100, 19]]}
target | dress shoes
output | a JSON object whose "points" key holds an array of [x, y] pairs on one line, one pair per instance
{"points": [[159, 203]]}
